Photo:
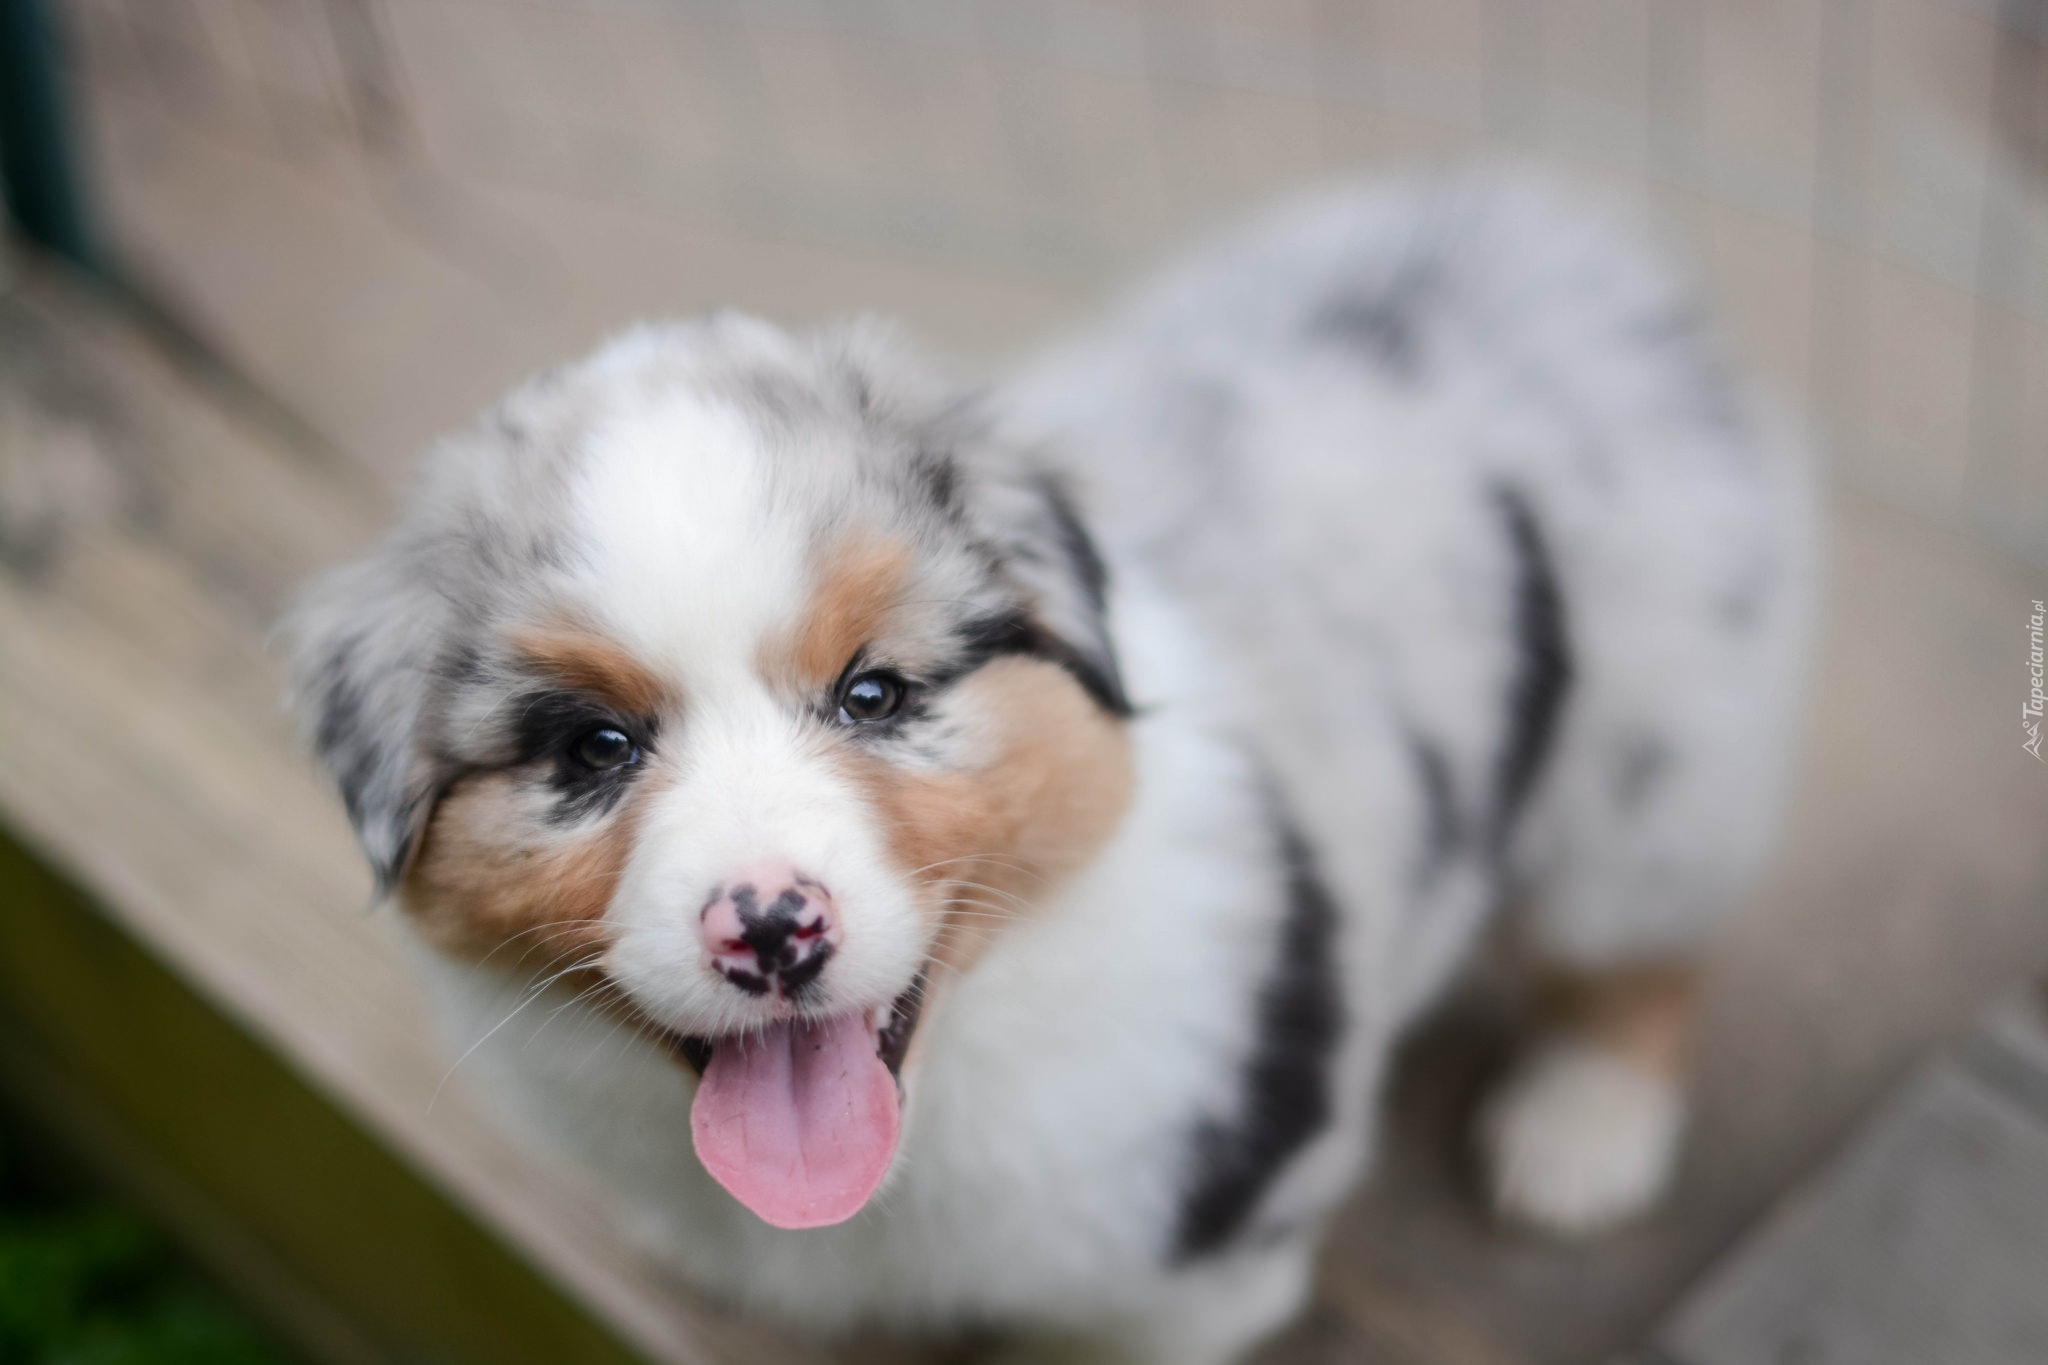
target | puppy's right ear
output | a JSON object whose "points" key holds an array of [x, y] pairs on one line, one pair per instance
{"points": [[367, 643]]}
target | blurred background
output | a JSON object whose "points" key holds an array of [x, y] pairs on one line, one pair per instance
{"points": [[320, 232], [384, 210]]}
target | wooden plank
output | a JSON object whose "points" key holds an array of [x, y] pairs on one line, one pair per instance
{"points": [[1927, 1241], [346, 1248], [2020, 1029], [2011, 1053]]}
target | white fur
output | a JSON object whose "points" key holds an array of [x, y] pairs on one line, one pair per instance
{"points": [[691, 594], [1579, 1139]]}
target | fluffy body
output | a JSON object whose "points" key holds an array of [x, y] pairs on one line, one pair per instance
{"points": [[1409, 556]]}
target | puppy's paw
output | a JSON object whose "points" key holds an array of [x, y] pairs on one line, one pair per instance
{"points": [[1579, 1140]]}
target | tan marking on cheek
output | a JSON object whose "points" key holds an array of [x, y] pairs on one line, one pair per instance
{"points": [[492, 880], [1005, 835], [857, 586], [591, 663], [1642, 1014]]}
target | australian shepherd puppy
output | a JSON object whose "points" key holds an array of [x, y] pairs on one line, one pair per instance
{"points": [[960, 857]]}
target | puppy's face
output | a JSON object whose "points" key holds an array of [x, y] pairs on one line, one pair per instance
{"points": [[733, 680]]}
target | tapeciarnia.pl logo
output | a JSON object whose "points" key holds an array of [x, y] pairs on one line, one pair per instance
{"points": [[2030, 714]]}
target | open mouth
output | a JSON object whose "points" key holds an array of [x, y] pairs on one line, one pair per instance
{"points": [[892, 1033], [799, 1118]]}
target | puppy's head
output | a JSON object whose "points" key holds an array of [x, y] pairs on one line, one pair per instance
{"points": [[748, 683]]}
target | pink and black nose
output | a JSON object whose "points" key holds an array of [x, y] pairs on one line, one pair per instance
{"points": [[770, 928]]}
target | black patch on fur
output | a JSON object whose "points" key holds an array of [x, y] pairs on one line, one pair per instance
{"points": [[1543, 667], [1441, 835], [990, 637], [937, 476], [548, 724], [1078, 546], [462, 666], [342, 743], [1285, 1097], [1095, 669], [1015, 633], [1386, 325]]}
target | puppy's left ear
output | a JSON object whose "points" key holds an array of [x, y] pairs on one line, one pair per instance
{"points": [[1031, 518], [365, 643]]}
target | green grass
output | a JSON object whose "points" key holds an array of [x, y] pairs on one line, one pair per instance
{"points": [[86, 1281]]}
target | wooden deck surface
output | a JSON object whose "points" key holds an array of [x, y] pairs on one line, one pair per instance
{"points": [[1927, 1240]]}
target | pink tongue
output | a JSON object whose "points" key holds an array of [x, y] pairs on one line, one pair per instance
{"points": [[800, 1124]]}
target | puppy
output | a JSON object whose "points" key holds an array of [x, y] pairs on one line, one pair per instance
{"points": [[955, 858]]}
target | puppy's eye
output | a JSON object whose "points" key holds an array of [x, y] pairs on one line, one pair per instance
{"points": [[871, 696], [603, 749]]}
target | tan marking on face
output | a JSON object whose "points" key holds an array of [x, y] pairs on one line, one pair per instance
{"points": [[490, 881], [588, 662], [858, 584], [1642, 1014], [1004, 835]]}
